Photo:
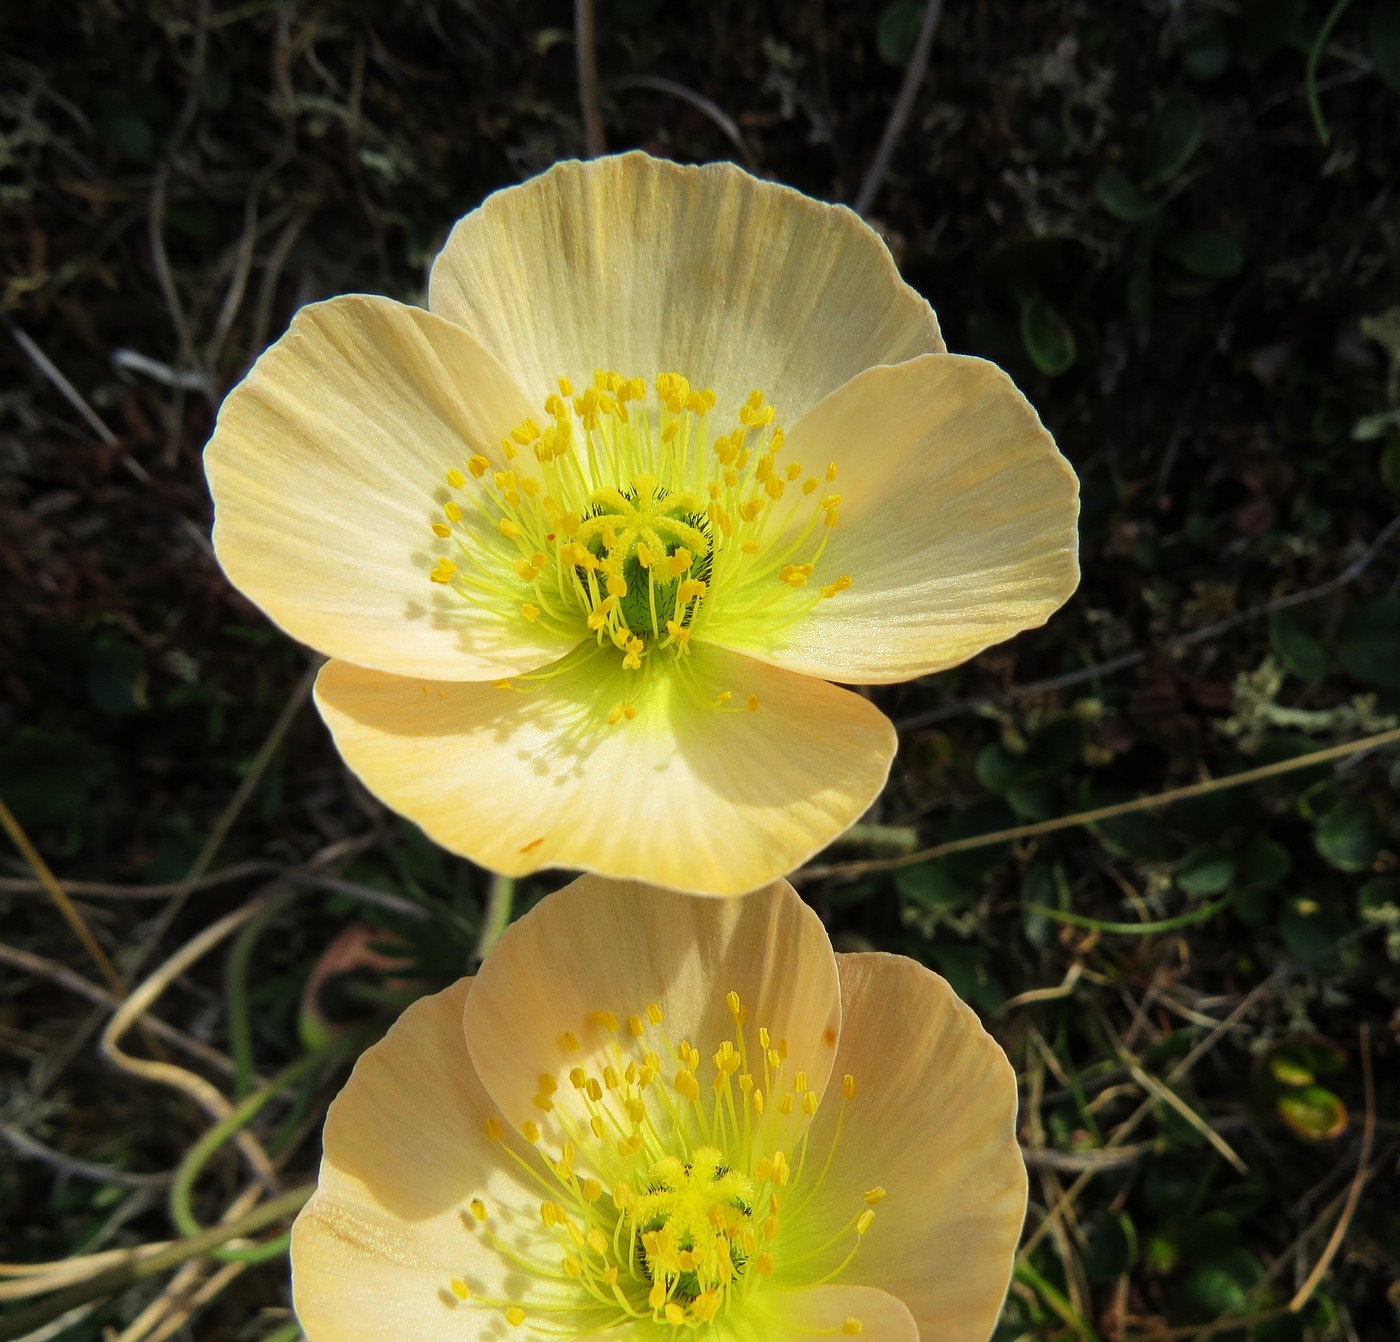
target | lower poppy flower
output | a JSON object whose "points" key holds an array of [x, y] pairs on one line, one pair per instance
{"points": [[652, 1117]]}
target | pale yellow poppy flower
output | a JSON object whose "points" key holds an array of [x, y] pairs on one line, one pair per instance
{"points": [[655, 1117], [673, 449]]}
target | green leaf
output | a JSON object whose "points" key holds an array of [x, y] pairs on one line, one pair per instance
{"points": [[1313, 1112], [1379, 899], [1384, 41], [1121, 198], [1368, 644], [1298, 651], [1206, 871], [898, 31], [998, 770], [1047, 336], [1176, 136], [932, 885], [1112, 1249], [1346, 836], [1266, 863], [1208, 252], [1206, 51]]}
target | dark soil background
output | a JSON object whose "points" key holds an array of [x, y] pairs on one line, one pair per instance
{"points": [[1174, 222]]}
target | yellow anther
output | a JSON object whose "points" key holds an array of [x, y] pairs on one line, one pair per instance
{"points": [[454, 513], [643, 554], [794, 469], [840, 585], [795, 575], [566, 388], [531, 1131], [501, 685], [636, 1027], [526, 433], [510, 530], [494, 1131], [758, 1106], [686, 1084], [763, 1264], [851, 1327], [785, 1105], [622, 711], [678, 632], [597, 1241], [669, 433], [594, 1090], [478, 1209], [444, 571], [617, 585], [874, 1195], [633, 660], [455, 478], [530, 611], [809, 485], [543, 1103], [578, 1078], [478, 465], [460, 1288], [775, 486], [751, 703], [548, 1085], [765, 1040], [848, 1086], [863, 1221], [441, 529], [675, 1315], [592, 1190], [809, 1103], [751, 508], [654, 1013], [515, 1316], [605, 1020], [831, 471], [681, 561], [750, 547], [572, 1266], [656, 1297], [723, 697], [692, 589]]}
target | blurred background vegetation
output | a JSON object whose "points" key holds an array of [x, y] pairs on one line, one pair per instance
{"points": [[1175, 222]]}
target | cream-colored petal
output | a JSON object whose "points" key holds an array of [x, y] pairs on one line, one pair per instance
{"points": [[328, 466], [958, 524], [823, 1311], [600, 945], [683, 795], [933, 1122], [375, 1250], [642, 266]]}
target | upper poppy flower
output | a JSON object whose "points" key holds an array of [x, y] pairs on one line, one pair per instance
{"points": [[651, 1118], [672, 449]]}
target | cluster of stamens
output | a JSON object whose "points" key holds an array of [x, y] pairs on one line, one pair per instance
{"points": [[622, 519], [666, 1197]]}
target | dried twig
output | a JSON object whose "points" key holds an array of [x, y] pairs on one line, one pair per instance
{"points": [[899, 113], [586, 45]]}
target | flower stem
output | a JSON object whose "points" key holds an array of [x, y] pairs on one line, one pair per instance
{"points": [[500, 902]]}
